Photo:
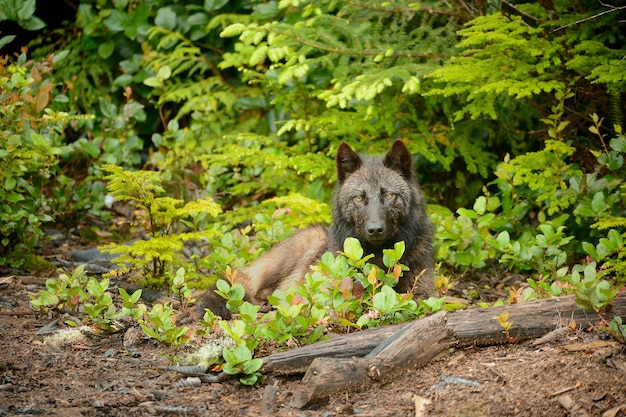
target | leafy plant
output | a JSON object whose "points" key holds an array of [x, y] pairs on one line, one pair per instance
{"points": [[161, 217], [506, 324], [83, 295], [239, 361], [592, 292], [159, 324], [618, 329], [65, 293], [31, 148]]}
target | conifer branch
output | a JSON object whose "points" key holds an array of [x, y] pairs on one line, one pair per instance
{"points": [[344, 51], [428, 10], [518, 11]]}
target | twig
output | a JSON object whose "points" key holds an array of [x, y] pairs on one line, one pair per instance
{"points": [[611, 10], [563, 390]]}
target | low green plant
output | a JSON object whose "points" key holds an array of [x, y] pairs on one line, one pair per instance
{"points": [[180, 290], [159, 324], [130, 306], [99, 306], [88, 297], [503, 320], [163, 218], [358, 294], [543, 252], [342, 291], [63, 294], [239, 361], [591, 291], [618, 329]]}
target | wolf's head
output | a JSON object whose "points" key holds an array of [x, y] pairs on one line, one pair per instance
{"points": [[375, 197]]}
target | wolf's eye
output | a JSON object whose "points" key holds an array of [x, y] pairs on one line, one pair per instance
{"points": [[388, 196], [358, 198]]}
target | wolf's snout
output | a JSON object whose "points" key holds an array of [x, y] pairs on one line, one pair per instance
{"points": [[375, 230]]}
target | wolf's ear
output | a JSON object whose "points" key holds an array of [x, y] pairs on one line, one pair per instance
{"points": [[399, 159], [347, 161]]}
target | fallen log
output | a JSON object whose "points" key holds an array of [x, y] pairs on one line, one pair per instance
{"points": [[412, 346], [471, 327], [334, 366]]}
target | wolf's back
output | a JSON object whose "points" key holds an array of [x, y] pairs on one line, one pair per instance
{"points": [[285, 265]]}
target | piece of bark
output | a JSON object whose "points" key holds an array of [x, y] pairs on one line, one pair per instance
{"points": [[412, 346], [573, 409], [470, 327]]}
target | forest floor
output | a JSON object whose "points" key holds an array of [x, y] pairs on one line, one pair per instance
{"points": [[102, 376]]}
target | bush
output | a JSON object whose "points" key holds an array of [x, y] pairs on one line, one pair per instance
{"points": [[31, 148]]}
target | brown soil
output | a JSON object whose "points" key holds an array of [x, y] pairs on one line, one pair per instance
{"points": [[98, 376]]}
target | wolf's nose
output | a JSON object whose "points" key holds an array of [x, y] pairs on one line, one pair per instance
{"points": [[375, 230]]}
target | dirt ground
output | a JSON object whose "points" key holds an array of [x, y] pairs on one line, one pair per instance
{"points": [[98, 376]]}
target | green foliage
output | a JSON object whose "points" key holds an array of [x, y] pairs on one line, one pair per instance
{"points": [[79, 294], [63, 294], [159, 324], [248, 101], [343, 291], [618, 329], [503, 56], [522, 226], [31, 148], [23, 13], [180, 289], [592, 292], [238, 361], [162, 218]]}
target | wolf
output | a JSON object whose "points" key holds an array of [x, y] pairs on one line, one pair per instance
{"points": [[377, 201]]}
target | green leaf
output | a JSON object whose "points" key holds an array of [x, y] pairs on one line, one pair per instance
{"points": [[618, 144], [27, 9], [352, 249], [9, 183], [117, 21], [233, 30], [385, 300], [166, 18], [59, 56], [106, 49], [597, 204], [109, 110], [265, 10], [480, 205], [5, 40], [467, 213], [503, 239], [13, 197], [211, 5], [153, 82], [252, 365]]}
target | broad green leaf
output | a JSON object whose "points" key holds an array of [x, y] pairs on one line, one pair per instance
{"points": [[106, 49], [166, 18], [211, 5], [5, 40], [352, 248]]}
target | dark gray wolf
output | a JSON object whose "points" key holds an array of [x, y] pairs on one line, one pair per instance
{"points": [[378, 202]]}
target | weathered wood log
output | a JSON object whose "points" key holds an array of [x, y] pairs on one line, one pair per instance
{"points": [[358, 344], [412, 346], [415, 344], [471, 327]]}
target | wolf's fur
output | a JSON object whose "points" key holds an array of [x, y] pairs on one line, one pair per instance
{"points": [[377, 201]]}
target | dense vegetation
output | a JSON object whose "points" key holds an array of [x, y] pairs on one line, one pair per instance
{"points": [[233, 111]]}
